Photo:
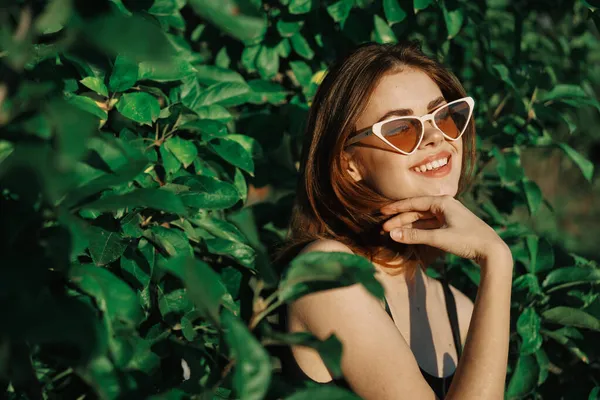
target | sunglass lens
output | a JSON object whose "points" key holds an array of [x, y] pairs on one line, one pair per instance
{"points": [[402, 133], [453, 119]]}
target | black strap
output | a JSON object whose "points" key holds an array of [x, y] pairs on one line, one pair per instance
{"points": [[452, 315]]}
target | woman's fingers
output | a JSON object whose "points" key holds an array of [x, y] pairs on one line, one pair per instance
{"points": [[406, 218], [434, 204], [417, 236]]}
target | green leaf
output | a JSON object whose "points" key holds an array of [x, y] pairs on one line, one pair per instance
{"points": [[227, 94], [252, 374], [323, 392], [267, 62], [421, 4], [533, 194], [96, 84], [135, 36], [87, 104], [113, 296], [138, 264], [204, 286], [340, 10], [336, 269], [288, 29], [300, 6], [528, 327], [544, 365], [585, 165], [504, 73], [393, 12], [124, 74], [185, 150], [571, 317], [570, 276], [454, 19], [168, 70], [595, 393], [214, 112], [266, 92], [232, 18], [524, 377], [105, 246], [302, 72], [210, 74], [207, 193], [173, 241], [157, 199], [248, 58], [301, 46], [234, 153], [219, 228], [140, 107], [383, 32], [562, 91], [239, 251]]}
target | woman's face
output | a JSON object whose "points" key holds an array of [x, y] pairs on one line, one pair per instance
{"points": [[393, 174]]}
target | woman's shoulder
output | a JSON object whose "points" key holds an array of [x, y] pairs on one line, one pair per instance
{"points": [[326, 245]]}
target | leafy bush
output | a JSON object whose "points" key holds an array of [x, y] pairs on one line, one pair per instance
{"points": [[148, 156]]}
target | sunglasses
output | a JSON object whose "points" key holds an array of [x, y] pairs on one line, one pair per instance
{"points": [[404, 134]]}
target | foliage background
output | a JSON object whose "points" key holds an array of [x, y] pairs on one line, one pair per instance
{"points": [[148, 155]]}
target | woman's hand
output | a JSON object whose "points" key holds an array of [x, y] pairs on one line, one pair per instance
{"points": [[442, 222]]}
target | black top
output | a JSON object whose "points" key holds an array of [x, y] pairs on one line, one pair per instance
{"points": [[439, 385]]}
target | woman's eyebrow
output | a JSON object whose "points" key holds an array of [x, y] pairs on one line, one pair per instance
{"points": [[401, 112]]}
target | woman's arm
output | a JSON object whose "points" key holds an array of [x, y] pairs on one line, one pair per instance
{"points": [[481, 372]]}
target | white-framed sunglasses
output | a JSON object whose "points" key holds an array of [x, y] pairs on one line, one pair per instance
{"points": [[404, 134]]}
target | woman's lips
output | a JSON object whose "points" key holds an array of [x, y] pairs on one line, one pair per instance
{"points": [[438, 172]]}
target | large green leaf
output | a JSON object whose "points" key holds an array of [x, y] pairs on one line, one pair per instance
{"points": [[208, 193], [528, 327], [204, 286], [301, 46], [140, 107], [454, 19], [393, 11], [571, 317], [340, 10], [105, 246], [226, 94], [234, 153], [173, 241], [244, 25], [383, 32], [524, 377], [239, 251], [166, 71], [323, 392], [113, 296], [96, 84], [157, 199], [585, 165], [336, 269], [185, 150], [211, 74], [124, 74], [570, 276], [253, 368]]}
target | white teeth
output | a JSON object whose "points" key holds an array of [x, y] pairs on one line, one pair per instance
{"points": [[432, 165]]}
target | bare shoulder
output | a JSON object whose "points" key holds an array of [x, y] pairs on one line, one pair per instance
{"points": [[464, 308], [326, 245]]}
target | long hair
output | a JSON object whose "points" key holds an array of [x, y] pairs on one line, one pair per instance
{"points": [[329, 203]]}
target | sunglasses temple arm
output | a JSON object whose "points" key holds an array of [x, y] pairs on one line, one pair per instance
{"points": [[359, 136]]}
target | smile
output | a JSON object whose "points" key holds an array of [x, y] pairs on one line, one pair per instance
{"points": [[437, 166]]}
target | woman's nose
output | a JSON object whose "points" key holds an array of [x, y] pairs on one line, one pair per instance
{"points": [[432, 136]]}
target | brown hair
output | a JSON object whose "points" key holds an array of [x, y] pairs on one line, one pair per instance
{"points": [[329, 203]]}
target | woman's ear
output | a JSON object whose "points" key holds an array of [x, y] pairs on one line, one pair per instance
{"points": [[349, 164]]}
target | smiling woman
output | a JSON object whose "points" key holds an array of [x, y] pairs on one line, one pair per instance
{"points": [[389, 145]]}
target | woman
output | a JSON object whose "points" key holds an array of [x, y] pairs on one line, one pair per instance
{"points": [[389, 144]]}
